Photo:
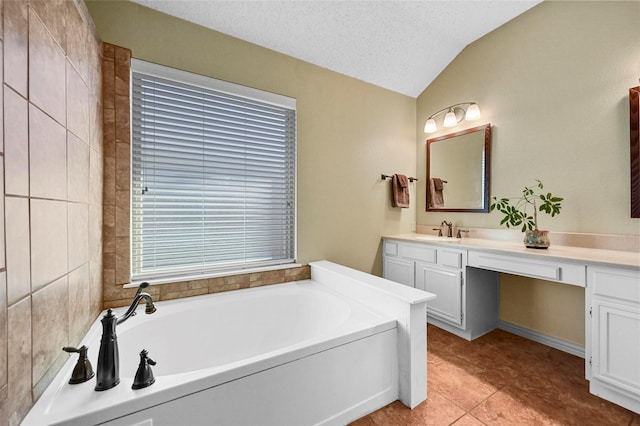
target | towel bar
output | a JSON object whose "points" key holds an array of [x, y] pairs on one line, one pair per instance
{"points": [[383, 177]]}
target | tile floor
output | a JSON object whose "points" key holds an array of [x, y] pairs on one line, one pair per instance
{"points": [[502, 379]]}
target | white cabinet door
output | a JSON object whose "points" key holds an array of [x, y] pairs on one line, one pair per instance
{"points": [[616, 345], [447, 285], [399, 270]]}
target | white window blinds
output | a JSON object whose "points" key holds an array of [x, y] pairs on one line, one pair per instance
{"points": [[213, 177]]}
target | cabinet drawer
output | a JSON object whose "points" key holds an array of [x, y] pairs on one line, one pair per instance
{"points": [[616, 283], [390, 248], [451, 258], [563, 272], [417, 252]]}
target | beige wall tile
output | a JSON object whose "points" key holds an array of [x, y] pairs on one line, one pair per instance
{"points": [[108, 239], [108, 78], [77, 169], [50, 319], [123, 166], [16, 143], [46, 70], [3, 336], [41, 385], [122, 62], [95, 231], [123, 214], [123, 129], [48, 156], [184, 293], [109, 185], [19, 353], [48, 241], [78, 234], [109, 280], [49, 12], [18, 250], [47, 238], [79, 303], [108, 52], [95, 122], [1, 90], [123, 269], [15, 45], [77, 104], [95, 286], [21, 410], [95, 177], [77, 46], [109, 132], [2, 235]]}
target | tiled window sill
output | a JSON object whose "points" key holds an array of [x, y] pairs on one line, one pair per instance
{"points": [[196, 277]]}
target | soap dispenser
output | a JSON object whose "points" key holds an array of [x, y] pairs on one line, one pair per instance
{"points": [[144, 375]]}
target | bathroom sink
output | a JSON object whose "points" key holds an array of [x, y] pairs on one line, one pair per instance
{"points": [[426, 237]]}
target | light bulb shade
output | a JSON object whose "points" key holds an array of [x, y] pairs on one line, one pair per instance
{"points": [[473, 113], [430, 126], [450, 119]]}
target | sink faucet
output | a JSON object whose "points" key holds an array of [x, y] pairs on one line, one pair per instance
{"points": [[108, 374], [449, 226]]}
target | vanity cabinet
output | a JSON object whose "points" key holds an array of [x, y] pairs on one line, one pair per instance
{"points": [[447, 284], [613, 335], [467, 311], [399, 261], [465, 277]]}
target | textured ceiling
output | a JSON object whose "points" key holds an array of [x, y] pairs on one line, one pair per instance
{"points": [[399, 45]]}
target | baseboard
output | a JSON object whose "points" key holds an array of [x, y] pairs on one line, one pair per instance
{"points": [[545, 339]]}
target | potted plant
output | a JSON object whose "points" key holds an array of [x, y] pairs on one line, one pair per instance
{"points": [[515, 213]]}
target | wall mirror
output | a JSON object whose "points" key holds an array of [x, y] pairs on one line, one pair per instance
{"points": [[458, 171], [634, 139]]}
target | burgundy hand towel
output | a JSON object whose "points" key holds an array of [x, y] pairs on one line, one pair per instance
{"points": [[400, 191]]}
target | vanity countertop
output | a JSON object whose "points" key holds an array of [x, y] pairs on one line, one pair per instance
{"points": [[601, 257]]}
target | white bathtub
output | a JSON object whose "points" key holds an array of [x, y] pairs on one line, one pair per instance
{"points": [[296, 353]]}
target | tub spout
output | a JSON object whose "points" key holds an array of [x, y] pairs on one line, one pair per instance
{"points": [[149, 308], [107, 374]]}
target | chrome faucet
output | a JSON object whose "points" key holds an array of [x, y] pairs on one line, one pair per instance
{"points": [[449, 226], [108, 371]]}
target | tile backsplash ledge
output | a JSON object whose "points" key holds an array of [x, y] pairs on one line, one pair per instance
{"points": [[121, 296]]}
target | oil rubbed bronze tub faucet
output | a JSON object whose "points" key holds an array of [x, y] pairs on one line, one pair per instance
{"points": [[107, 373]]}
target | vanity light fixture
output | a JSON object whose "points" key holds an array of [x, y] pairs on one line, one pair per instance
{"points": [[454, 115]]}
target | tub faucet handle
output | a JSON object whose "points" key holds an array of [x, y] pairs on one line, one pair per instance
{"points": [[83, 370], [144, 375]]}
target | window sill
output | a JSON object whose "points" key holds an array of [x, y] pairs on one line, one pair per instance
{"points": [[195, 277]]}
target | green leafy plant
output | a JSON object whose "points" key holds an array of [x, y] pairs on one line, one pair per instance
{"points": [[515, 209]]}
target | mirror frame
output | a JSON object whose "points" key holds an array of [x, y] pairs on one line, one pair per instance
{"points": [[634, 144], [487, 167]]}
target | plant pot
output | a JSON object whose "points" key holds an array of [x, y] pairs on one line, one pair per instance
{"points": [[536, 239]]}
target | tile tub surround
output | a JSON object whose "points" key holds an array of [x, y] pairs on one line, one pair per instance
{"points": [[502, 379], [51, 285]]}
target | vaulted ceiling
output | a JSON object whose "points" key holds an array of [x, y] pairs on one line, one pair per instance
{"points": [[399, 45]]}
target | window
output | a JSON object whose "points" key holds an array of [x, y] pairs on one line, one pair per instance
{"points": [[213, 175]]}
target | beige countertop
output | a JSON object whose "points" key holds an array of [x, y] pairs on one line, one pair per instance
{"points": [[594, 256]]}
